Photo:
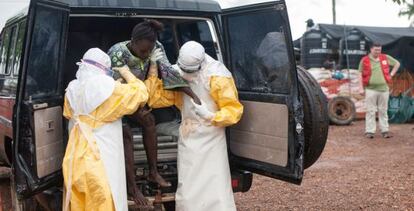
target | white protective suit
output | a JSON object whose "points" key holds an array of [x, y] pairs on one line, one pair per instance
{"points": [[204, 181], [94, 166]]}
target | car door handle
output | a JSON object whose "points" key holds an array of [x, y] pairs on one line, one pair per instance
{"points": [[40, 106]]}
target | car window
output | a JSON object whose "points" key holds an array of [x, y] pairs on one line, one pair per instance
{"points": [[4, 50], [198, 31], [12, 47], [19, 48], [166, 37], [1, 46], [44, 55], [259, 52], [8, 83]]}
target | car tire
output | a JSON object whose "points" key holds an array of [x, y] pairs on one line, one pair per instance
{"points": [[341, 110], [17, 205], [316, 120]]}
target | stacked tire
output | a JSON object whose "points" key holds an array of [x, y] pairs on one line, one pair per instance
{"points": [[316, 120]]}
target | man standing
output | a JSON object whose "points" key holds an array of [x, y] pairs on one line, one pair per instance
{"points": [[376, 76]]}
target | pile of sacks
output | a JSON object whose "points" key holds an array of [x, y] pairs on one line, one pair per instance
{"points": [[401, 82], [350, 85]]}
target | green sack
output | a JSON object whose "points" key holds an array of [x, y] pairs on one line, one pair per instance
{"points": [[401, 108]]}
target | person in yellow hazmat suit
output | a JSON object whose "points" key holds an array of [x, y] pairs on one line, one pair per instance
{"points": [[94, 166], [204, 181]]}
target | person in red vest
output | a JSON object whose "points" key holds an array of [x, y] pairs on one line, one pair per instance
{"points": [[376, 75]]}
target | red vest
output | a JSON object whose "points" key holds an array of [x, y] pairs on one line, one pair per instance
{"points": [[366, 69]]}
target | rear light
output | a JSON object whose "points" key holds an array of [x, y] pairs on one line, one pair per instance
{"points": [[241, 181], [235, 183]]}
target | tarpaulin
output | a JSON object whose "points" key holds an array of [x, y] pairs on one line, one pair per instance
{"points": [[382, 35], [396, 41], [401, 108]]}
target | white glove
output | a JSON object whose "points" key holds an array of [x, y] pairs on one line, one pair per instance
{"points": [[153, 70], [156, 55], [125, 72], [202, 111]]}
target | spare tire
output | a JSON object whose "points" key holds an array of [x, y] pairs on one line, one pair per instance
{"points": [[316, 121], [341, 110]]}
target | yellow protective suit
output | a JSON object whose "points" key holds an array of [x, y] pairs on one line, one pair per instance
{"points": [[222, 90], [85, 174], [204, 181]]}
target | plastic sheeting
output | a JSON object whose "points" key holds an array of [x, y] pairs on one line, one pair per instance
{"points": [[401, 108]]}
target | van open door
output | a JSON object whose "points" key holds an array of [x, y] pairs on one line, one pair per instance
{"points": [[38, 145], [269, 138]]}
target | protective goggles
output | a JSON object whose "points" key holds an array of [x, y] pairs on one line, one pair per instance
{"points": [[106, 70], [189, 71], [189, 68]]}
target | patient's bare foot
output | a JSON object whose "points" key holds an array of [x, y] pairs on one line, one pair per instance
{"points": [[156, 177], [138, 198]]}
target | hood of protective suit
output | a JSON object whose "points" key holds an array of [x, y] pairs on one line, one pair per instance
{"points": [[193, 62], [191, 55], [92, 85]]}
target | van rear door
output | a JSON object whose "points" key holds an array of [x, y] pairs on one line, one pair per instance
{"points": [[38, 146], [269, 138]]}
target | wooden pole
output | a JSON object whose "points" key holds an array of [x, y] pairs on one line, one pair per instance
{"points": [[334, 11]]}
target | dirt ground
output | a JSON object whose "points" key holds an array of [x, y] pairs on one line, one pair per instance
{"points": [[353, 173]]}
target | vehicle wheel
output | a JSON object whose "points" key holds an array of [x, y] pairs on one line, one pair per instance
{"points": [[341, 110], [316, 120], [17, 205], [29, 204]]}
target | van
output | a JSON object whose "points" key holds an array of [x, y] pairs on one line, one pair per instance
{"points": [[283, 129]]}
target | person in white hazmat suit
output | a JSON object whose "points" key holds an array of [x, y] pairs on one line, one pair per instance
{"points": [[94, 166], [204, 181]]}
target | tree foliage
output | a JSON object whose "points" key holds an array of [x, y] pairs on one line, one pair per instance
{"points": [[399, 1], [409, 7]]}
